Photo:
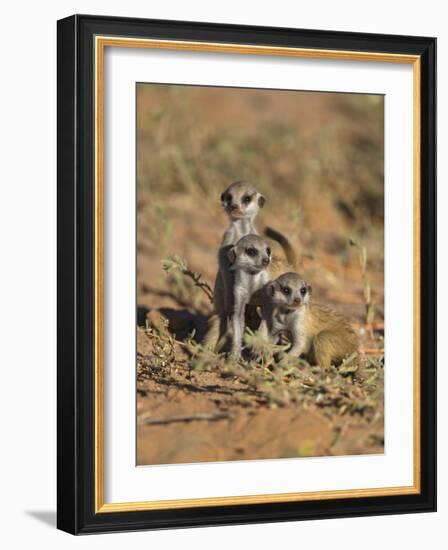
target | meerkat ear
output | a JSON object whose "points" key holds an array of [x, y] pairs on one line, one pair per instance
{"points": [[231, 254], [310, 289], [270, 289], [223, 196], [261, 201]]}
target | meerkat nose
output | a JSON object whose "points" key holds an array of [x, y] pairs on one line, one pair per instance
{"points": [[297, 300], [233, 206], [265, 261]]}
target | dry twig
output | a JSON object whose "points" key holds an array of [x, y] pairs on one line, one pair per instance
{"points": [[176, 262], [186, 418]]}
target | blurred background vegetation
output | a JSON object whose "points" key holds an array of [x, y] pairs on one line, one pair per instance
{"points": [[317, 157]]}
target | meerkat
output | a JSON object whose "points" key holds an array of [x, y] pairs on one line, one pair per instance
{"points": [[248, 260], [241, 202], [315, 331], [278, 266]]}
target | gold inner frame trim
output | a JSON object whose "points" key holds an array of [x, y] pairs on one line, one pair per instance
{"points": [[101, 42]]}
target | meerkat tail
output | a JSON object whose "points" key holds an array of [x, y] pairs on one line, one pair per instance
{"points": [[290, 254]]}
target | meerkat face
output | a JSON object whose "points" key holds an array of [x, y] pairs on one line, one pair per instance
{"points": [[241, 200], [290, 290], [250, 254]]}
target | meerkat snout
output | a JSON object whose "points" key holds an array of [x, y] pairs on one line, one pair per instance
{"points": [[241, 200]]}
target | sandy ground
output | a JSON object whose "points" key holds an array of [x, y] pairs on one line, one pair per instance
{"points": [[185, 415]]}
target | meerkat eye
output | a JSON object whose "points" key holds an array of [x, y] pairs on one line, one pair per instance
{"points": [[247, 199], [286, 290], [229, 197], [303, 290], [251, 251], [268, 251]]}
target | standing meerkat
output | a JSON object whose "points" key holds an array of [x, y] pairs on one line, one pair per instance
{"points": [[248, 259], [241, 202], [316, 331]]}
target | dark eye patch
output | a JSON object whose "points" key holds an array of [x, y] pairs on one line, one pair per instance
{"points": [[268, 251], [303, 290], [247, 199], [286, 290], [251, 251]]}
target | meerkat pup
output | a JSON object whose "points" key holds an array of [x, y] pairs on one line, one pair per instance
{"points": [[241, 202], [248, 260], [314, 330]]}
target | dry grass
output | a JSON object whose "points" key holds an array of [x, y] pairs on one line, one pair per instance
{"points": [[318, 159], [355, 387]]}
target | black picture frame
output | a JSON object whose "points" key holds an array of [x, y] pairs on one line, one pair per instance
{"points": [[76, 253]]}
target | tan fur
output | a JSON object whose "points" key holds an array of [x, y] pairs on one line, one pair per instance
{"points": [[315, 331], [330, 336], [279, 266]]}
